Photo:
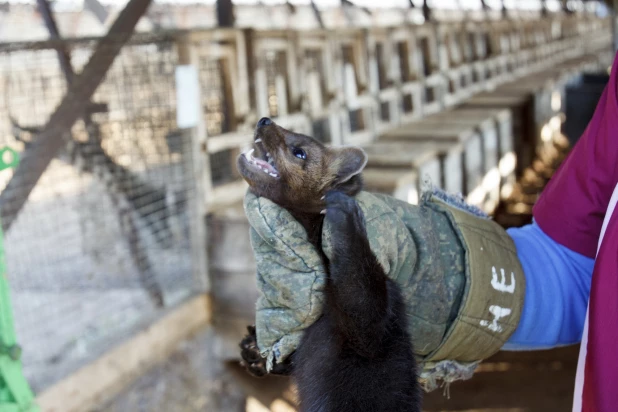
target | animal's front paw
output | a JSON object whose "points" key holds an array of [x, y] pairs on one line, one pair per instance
{"points": [[252, 360], [345, 216]]}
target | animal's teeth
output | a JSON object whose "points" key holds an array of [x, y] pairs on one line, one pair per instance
{"points": [[248, 154], [323, 212], [258, 140], [322, 198], [274, 174]]}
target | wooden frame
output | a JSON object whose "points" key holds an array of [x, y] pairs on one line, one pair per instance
{"points": [[458, 74], [475, 34], [228, 48], [432, 80], [417, 65], [355, 99], [409, 73], [318, 90], [469, 72], [384, 78], [280, 46], [201, 180], [228, 45], [500, 60]]}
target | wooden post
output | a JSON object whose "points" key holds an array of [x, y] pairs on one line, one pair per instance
{"points": [[193, 128], [544, 11], [63, 54], [318, 15], [225, 13], [72, 107], [565, 8], [426, 11]]}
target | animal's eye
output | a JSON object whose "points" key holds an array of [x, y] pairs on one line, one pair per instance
{"points": [[300, 153]]}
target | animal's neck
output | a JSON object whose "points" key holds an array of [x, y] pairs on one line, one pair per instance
{"points": [[312, 222]]}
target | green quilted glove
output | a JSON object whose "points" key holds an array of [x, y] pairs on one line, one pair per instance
{"points": [[429, 250]]}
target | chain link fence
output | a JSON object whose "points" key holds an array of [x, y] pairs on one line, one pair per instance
{"points": [[103, 244]]}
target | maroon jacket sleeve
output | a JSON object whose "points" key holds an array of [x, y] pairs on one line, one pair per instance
{"points": [[571, 208]]}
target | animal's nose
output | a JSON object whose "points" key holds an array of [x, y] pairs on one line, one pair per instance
{"points": [[264, 121]]}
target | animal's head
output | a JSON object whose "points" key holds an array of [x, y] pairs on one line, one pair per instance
{"points": [[295, 171]]}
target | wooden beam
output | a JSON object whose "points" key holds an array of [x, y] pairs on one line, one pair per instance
{"points": [[544, 10], [426, 11], [72, 107], [486, 9], [63, 54], [349, 3], [196, 135], [225, 13], [318, 15], [107, 376]]}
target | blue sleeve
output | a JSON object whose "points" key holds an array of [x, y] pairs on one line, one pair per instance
{"points": [[557, 291]]}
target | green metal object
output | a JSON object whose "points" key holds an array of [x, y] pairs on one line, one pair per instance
{"points": [[15, 393], [8, 158]]}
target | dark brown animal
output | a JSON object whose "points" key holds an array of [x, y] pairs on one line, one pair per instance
{"points": [[358, 356]]}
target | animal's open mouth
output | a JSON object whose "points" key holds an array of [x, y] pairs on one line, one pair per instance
{"points": [[265, 162]]}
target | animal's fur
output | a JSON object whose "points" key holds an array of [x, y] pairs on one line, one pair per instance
{"points": [[357, 356]]}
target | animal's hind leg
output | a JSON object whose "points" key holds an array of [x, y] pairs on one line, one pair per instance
{"points": [[357, 296]]}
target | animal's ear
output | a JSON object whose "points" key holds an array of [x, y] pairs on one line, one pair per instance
{"points": [[349, 161]]}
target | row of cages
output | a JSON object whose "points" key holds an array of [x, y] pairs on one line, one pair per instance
{"points": [[480, 147], [349, 86], [343, 86]]}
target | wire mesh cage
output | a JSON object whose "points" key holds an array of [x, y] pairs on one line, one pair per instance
{"points": [[102, 245], [218, 118]]}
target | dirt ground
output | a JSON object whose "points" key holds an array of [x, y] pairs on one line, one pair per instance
{"points": [[193, 380]]}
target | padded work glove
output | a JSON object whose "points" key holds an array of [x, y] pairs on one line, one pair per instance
{"points": [[458, 272]]}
